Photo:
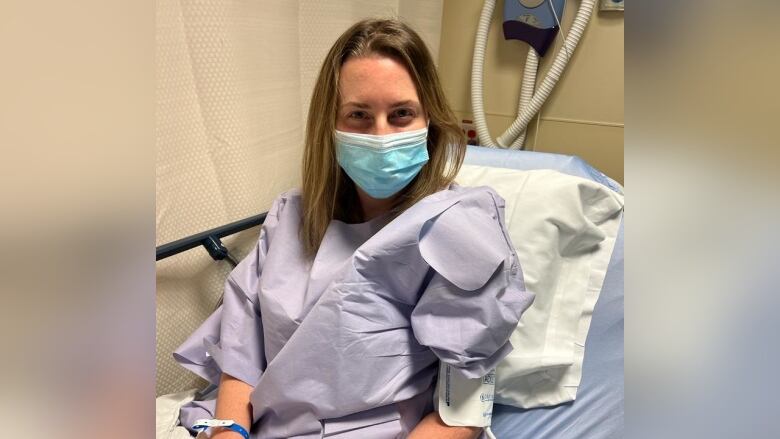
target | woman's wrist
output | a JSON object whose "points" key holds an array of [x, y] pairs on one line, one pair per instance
{"points": [[225, 433], [219, 428]]}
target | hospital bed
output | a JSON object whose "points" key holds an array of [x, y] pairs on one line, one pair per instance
{"points": [[597, 411]]}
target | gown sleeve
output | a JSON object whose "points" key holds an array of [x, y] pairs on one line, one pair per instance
{"points": [[476, 294], [231, 339]]}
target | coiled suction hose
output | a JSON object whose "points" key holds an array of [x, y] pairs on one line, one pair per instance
{"points": [[526, 91], [528, 109]]}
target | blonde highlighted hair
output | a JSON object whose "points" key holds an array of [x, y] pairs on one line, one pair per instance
{"points": [[327, 192]]}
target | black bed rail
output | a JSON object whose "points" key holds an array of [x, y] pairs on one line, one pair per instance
{"points": [[210, 239]]}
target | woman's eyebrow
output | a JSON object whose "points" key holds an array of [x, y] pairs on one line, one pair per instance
{"points": [[367, 106], [403, 103], [355, 104]]}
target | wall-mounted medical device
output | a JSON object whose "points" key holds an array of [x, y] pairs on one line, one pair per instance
{"points": [[533, 21], [612, 5]]}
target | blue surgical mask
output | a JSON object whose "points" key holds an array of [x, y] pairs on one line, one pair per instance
{"points": [[382, 165]]}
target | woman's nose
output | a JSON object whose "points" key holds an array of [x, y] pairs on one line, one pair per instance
{"points": [[381, 127]]}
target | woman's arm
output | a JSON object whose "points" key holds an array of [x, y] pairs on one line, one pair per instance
{"points": [[233, 403], [432, 427]]}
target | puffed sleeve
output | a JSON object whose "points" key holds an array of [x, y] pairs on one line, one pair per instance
{"points": [[476, 294], [231, 339]]}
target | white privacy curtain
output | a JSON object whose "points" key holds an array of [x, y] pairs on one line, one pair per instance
{"points": [[234, 79]]}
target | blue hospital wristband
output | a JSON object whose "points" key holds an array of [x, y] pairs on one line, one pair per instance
{"points": [[203, 424]]}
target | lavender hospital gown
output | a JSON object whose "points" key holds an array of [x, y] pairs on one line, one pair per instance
{"points": [[348, 345]]}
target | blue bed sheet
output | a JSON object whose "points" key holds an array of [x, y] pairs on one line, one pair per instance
{"points": [[528, 160], [598, 409]]}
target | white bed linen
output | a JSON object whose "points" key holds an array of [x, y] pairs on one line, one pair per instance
{"points": [[167, 407], [564, 229]]}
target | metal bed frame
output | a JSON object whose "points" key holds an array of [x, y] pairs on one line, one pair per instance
{"points": [[210, 239]]}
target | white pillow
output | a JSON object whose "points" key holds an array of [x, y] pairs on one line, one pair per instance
{"points": [[168, 407], [564, 229]]}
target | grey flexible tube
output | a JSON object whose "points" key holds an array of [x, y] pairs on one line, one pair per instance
{"points": [[526, 91], [477, 63]]}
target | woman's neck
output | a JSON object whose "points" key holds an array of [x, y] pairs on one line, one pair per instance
{"points": [[373, 207]]}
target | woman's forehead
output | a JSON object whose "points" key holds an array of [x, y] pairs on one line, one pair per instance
{"points": [[375, 80]]}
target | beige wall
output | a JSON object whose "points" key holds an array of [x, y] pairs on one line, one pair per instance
{"points": [[584, 114]]}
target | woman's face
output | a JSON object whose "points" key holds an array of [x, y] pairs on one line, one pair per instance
{"points": [[378, 97]]}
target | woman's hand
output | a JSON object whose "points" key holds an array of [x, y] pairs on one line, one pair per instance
{"points": [[432, 427]]}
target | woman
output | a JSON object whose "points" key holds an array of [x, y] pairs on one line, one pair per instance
{"points": [[372, 273]]}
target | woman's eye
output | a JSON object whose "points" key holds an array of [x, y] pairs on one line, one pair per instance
{"points": [[403, 113], [359, 115]]}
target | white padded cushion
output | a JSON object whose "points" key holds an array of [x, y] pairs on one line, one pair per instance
{"points": [[563, 229]]}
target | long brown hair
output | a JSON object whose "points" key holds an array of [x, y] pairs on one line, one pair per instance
{"points": [[328, 193]]}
